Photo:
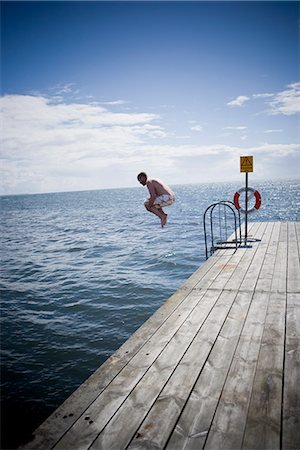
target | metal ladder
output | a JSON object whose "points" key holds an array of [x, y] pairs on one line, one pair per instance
{"points": [[225, 219]]}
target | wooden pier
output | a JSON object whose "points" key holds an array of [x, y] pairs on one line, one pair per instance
{"points": [[216, 367]]}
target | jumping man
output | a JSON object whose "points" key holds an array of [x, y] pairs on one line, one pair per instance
{"points": [[160, 195]]}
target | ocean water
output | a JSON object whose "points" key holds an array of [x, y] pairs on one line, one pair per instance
{"points": [[81, 271]]}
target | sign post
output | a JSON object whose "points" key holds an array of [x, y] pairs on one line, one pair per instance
{"points": [[246, 166]]}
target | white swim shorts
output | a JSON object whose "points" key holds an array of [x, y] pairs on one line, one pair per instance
{"points": [[164, 200]]}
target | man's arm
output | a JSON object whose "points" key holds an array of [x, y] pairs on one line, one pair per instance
{"points": [[152, 193]]}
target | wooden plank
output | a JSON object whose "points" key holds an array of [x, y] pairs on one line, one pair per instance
{"points": [[252, 229], [266, 236], [239, 273], [194, 422], [293, 272], [291, 390], [283, 232], [265, 277], [229, 421], [177, 382], [62, 419], [229, 267], [166, 384], [254, 269], [194, 279], [263, 427], [297, 226], [83, 433], [291, 231], [50, 431], [279, 281], [213, 273], [232, 264], [276, 233]]}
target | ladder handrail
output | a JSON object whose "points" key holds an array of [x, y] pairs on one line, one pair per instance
{"points": [[236, 214]]}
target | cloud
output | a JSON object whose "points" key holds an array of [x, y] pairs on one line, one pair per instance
{"points": [[46, 113], [277, 150], [49, 146], [42, 138], [266, 95], [189, 150], [167, 106], [194, 126], [239, 101], [66, 88], [286, 102], [273, 131], [197, 128], [114, 103], [237, 128]]}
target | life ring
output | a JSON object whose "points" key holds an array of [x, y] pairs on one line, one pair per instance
{"points": [[257, 197]]}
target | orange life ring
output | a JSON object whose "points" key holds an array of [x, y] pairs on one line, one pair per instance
{"points": [[257, 197]]}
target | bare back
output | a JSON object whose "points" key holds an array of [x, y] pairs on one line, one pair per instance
{"points": [[158, 187]]}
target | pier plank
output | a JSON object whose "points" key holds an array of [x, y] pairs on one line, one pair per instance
{"points": [[187, 350], [164, 414], [103, 408], [62, 419], [291, 389], [226, 274], [279, 281], [254, 269], [283, 232], [194, 423], [293, 264], [216, 367], [228, 425], [297, 226], [265, 277], [292, 231], [263, 426], [239, 273]]}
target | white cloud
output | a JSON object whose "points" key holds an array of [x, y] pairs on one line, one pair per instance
{"points": [[114, 103], [276, 150], [287, 102], [167, 106], [266, 95], [66, 88], [41, 139], [273, 131], [237, 128], [197, 128], [189, 150], [239, 101], [48, 146]]}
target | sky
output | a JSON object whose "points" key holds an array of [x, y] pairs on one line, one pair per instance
{"points": [[92, 93]]}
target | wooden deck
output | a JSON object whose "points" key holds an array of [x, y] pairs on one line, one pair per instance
{"points": [[216, 367]]}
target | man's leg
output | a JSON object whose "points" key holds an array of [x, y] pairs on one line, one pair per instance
{"points": [[158, 212]]}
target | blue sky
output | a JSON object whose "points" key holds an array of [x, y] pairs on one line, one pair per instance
{"points": [[94, 92]]}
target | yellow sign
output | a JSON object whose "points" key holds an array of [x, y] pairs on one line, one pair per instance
{"points": [[246, 163]]}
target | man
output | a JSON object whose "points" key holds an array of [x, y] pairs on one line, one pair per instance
{"points": [[160, 195]]}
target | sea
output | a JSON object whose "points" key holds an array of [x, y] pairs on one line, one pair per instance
{"points": [[81, 271]]}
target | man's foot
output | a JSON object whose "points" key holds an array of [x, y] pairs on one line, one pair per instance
{"points": [[164, 220]]}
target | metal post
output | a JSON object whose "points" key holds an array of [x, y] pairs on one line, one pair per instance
{"points": [[246, 209]]}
